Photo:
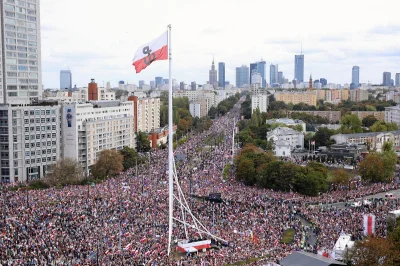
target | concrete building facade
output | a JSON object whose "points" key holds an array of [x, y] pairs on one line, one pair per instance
{"points": [[29, 141]]}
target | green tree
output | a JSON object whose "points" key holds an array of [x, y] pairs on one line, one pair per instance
{"points": [[108, 164], [389, 158], [64, 172], [130, 157], [381, 126], [341, 177], [308, 182], [142, 142], [372, 168], [246, 172], [323, 137], [350, 124], [212, 113], [369, 120]]}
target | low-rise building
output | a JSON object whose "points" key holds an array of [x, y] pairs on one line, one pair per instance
{"points": [[392, 114], [374, 140], [379, 115], [290, 137], [332, 116], [309, 98], [159, 136], [288, 122]]}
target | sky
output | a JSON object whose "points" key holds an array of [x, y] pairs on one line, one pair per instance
{"points": [[98, 39]]}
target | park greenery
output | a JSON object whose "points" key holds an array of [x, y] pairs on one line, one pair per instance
{"points": [[258, 168], [379, 166]]}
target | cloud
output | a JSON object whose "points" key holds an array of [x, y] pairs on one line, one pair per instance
{"points": [[385, 29]]}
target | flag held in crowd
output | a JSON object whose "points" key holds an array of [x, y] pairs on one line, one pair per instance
{"points": [[369, 224], [154, 50]]}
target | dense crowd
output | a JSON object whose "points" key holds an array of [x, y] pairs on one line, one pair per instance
{"points": [[114, 223]]}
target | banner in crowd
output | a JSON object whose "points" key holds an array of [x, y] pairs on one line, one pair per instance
{"points": [[369, 224]]}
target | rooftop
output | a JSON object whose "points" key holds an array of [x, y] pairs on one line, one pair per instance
{"points": [[369, 134]]}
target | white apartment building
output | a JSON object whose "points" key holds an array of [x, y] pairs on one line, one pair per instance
{"points": [[29, 141], [292, 138], [205, 97], [147, 113], [259, 101], [392, 114], [20, 57], [195, 109], [89, 128]]}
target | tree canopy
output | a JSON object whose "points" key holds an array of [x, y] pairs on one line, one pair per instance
{"points": [[108, 164]]}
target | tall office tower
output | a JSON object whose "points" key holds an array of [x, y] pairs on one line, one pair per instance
{"points": [[323, 82], [152, 84], [141, 83], [299, 68], [193, 85], [387, 76], [159, 82], [259, 67], [20, 57], [355, 76], [213, 76], [273, 74], [280, 77], [65, 79], [221, 74], [397, 80], [165, 81], [242, 76]]}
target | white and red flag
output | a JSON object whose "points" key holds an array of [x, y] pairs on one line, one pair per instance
{"points": [[369, 224], [154, 50]]}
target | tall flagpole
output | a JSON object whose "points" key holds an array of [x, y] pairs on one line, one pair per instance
{"points": [[170, 145]]}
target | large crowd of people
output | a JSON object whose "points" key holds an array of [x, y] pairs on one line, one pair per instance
{"points": [[114, 223]]}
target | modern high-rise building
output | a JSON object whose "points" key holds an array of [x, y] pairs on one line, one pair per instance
{"points": [[152, 84], [193, 85], [397, 80], [355, 76], [299, 68], [259, 67], [65, 80], [165, 81], [273, 74], [221, 74], [158, 82], [280, 77], [387, 76], [213, 76], [141, 83], [20, 57], [242, 76], [323, 82]]}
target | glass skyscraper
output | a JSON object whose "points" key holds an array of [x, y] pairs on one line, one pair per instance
{"points": [[355, 77], [259, 67], [273, 74], [20, 59], [221, 74], [65, 80], [242, 76], [299, 68], [158, 82], [387, 79]]}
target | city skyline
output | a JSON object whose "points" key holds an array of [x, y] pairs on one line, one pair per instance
{"points": [[103, 50]]}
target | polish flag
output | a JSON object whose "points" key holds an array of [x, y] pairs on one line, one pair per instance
{"points": [[369, 224], [143, 240], [154, 50]]}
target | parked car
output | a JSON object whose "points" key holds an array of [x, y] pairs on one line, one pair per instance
{"points": [[389, 196], [367, 202], [355, 204]]}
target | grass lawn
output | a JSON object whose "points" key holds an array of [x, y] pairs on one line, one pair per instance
{"points": [[288, 236]]}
